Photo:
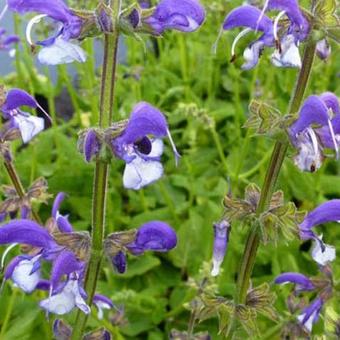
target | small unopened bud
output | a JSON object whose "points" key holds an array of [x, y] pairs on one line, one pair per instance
{"points": [[221, 237], [99, 334]]}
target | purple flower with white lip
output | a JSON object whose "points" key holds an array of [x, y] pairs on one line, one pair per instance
{"points": [[286, 53], [154, 236], [181, 15], [221, 238], [28, 125], [140, 152], [7, 42], [322, 111], [310, 314], [250, 17], [60, 48], [326, 212], [102, 302]]}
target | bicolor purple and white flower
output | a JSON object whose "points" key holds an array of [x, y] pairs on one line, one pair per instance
{"points": [[7, 42], [286, 40], [317, 127], [326, 212], [62, 46], [102, 302], [28, 125], [180, 15], [310, 314], [141, 146], [221, 238]]}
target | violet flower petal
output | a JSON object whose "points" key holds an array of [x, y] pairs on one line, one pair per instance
{"points": [[57, 202], [155, 236], [313, 111], [310, 314], [331, 101], [248, 16], [27, 232], [16, 98], [181, 15], [145, 120], [63, 224], [64, 264], [102, 302], [324, 213], [303, 282]]}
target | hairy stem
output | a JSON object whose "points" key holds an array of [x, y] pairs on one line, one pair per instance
{"points": [[101, 170], [19, 188], [278, 155]]}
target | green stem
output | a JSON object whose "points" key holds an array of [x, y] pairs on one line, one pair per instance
{"points": [[101, 171], [278, 155], [19, 188], [9, 309]]}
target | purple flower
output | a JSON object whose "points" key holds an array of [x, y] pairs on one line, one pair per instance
{"points": [[7, 42], [119, 262], [326, 212], [140, 152], [181, 15], [57, 49], [286, 41], [154, 236], [102, 302], [28, 125], [310, 314], [221, 238], [250, 17], [322, 111]]}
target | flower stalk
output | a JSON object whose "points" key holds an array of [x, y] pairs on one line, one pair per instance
{"points": [[278, 155], [19, 188], [101, 169]]}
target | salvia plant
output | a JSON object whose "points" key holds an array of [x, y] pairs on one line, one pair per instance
{"points": [[158, 242]]}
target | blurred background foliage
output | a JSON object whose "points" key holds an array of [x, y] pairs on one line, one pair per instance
{"points": [[205, 98]]}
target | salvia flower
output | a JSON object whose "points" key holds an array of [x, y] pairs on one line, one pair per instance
{"points": [[180, 15], [221, 238], [326, 212], [317, 127], [61, 47], [323, 49], [141, 146], [28, 125], [310, 314], [7, 42], [151, 236], [286, 39]]}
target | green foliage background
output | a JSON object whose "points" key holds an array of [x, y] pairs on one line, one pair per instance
{"points": [[205, 99]]}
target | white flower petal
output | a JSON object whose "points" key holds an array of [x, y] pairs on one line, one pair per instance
{"points": [[289, 56], [59, 304], [157, 148], [61, 52], [323, 257], [251, 55], [309, 322], [100, 306], [140, 173], [22, 276], [29, 126], [216, 267]]}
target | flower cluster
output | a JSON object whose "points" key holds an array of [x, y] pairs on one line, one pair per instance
{"points": [[323, 254], [67, 251], [72, 26], [282, 35]]}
